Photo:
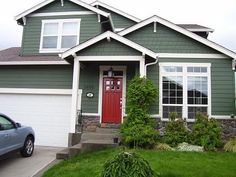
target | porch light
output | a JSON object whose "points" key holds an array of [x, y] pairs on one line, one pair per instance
{"points": [[110, 72]]}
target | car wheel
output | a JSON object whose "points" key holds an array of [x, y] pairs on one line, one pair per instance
{"points": [[28, 148]]}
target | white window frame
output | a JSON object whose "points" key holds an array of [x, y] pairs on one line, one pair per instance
{"points": [[59, 35], [185, 75]]}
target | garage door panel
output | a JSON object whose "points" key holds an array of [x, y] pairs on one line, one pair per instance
{"points": [[49, 115]]}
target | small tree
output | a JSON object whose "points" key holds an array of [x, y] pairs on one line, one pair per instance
{"points": [[138, 130]]}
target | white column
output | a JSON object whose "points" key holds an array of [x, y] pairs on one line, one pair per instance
{"points": [[142, 71], [75, 89]]}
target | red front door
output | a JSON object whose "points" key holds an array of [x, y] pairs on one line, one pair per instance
{"points": [[112, 100]]}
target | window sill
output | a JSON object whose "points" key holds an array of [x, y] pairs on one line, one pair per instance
{"points": [[52, 50]]}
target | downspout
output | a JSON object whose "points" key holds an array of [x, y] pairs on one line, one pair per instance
{"points": [[149, 64]]}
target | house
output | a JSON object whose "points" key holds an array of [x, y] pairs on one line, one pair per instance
{"points": [[77, 56]]}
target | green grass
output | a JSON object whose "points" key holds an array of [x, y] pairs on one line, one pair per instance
{"points": [[169, 164]]}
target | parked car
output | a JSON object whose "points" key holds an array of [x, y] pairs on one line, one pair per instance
{"points": [[15, 137]]}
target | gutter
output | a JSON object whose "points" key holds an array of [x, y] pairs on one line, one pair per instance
{"points": [[152, 63]]}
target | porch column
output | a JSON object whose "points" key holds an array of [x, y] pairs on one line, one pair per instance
{"points": [[75, 92], [142, 71]]}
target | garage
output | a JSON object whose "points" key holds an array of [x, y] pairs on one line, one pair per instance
{"points": [[48, 114]]}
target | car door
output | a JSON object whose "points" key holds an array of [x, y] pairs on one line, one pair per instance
{"points": [[9, 139]]}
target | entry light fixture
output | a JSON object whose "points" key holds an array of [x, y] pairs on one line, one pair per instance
{"points": [[110, 72]]}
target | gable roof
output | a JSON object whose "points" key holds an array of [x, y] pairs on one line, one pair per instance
{"points": [[180, 30], [131, 17], [108, 35], [46, 2]]}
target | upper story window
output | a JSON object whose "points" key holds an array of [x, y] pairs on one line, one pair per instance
{"points": [[59, 35]]}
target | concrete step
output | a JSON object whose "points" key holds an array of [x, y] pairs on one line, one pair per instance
{"points": [[64, 154], [75, 150], [108, 130], [94, 145], [107, 125], [97, 136]]}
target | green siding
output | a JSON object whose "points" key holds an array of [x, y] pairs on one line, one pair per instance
{"points": [[222, 83], [166, 40], [89, 82], [89, 28], [105, 48], [119, 20], [56, 7], [48, 77]]}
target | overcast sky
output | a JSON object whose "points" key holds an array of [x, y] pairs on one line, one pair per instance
{"points": [[217, 14]]}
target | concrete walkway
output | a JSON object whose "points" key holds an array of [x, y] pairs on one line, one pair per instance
{"points": [[16, 166]]}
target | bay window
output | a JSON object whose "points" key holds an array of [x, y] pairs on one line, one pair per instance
{"points": [[184, 89], [59, 35]]}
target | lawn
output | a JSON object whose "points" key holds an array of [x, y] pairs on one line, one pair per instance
{"points": [[169, 164]]}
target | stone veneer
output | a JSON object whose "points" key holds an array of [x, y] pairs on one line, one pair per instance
{"points": [[228, 125]]}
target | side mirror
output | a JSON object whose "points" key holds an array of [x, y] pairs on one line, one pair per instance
{"points": [[18, 125]]}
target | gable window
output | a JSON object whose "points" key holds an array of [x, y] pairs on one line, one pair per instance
{"points": [[185, 89], [59, 35]]}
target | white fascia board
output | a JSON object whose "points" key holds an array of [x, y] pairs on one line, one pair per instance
{"points": [[200, 30], [35, 91], [109, 34], [44, 3], [98, 3], [110, 58], [180, 30], [34, 63], [188, 55]]}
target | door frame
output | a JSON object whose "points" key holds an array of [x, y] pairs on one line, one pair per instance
{"points": [[115, 68]]}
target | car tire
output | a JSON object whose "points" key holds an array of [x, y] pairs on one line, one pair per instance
{"points": [[28, 147]]}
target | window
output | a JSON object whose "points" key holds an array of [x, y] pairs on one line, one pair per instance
{"points": [[5, 124], [184, 89], [59, 35]]}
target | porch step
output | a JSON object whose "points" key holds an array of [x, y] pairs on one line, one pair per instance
{"points": [[97, 136], [95, 145], [108, 130], [107, 125], [69, 152], [64, 154]]}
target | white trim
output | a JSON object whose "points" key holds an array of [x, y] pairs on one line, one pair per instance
{"points": [[115, 67], [90, 114], [62, 3], [184, 74], [111, 35], [119, 29], [35, 91], [155, 27], [110, 58], [219, 117], [59, 34], [44, 3], [142, 71], [34, 63], [75, 95], [51, 14], [188, 55], [200, 29], [180, 30], [98, 3]]}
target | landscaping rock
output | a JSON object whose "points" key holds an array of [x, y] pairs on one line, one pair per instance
{"points": [[188, 147]]}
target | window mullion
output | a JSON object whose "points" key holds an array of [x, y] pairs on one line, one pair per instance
{"points": [[60, 26], [185, 93]]}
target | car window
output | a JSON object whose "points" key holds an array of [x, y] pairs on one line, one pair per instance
{"points": [[5, 124]]}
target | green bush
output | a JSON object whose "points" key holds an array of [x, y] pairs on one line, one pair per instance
{"points": [[127, 165], [176, 131], [138, 129], [230, 146], [141, 93], [163, 147], [206, 132]]}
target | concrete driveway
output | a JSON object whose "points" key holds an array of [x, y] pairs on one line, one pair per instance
{"points": [[16, 166]]}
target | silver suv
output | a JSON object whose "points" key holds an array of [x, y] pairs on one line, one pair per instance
{"points": [[15, 137]]}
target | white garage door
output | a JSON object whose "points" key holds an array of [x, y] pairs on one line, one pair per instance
{"points": [[49, 115]]}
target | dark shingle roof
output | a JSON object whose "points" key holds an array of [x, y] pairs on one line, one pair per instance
{"points": [[195, 28], [13, 55]]}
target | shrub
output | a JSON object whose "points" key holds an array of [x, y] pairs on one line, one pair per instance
{"points": [[176, 131], [141, 93], [127, 165], [163, 147], [206, 132], [188, 147], [230, 146], [138, 130]]}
